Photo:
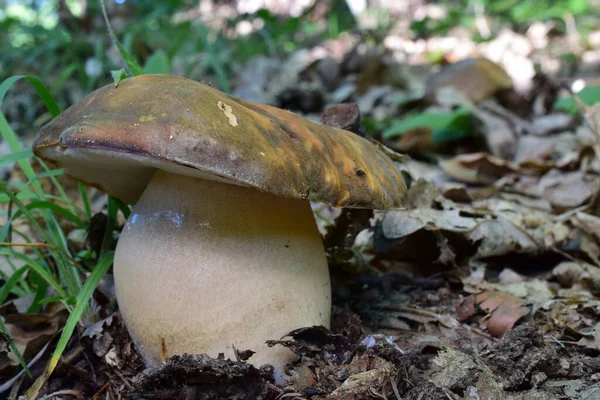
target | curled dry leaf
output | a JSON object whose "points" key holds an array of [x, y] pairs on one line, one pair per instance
{"points": [[477, 168]]}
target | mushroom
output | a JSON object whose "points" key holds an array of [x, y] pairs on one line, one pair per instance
{"points": [[221, 249]]}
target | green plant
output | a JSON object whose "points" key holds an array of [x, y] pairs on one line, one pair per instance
{"points": [[589, 95], [49, 263], [445, 127]]}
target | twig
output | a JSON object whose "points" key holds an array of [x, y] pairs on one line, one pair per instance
{"points": [[395, 389], [15, 389], [13, 244], [568, 214], [70, 392], [102, 389], [380, 395], [120, 375]]}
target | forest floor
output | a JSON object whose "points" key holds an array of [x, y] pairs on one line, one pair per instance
{"points": [[486, 286]]}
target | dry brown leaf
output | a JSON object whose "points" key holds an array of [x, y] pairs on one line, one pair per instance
{"points": [[498, 131], [505, 310], [477, 168], [500, 236], [477, 78], [31, 332], [399, 223], [544, 125], [591, 338], [564, 190], [543, 153]]}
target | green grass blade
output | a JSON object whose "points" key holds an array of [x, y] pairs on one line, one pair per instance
{"points": [[43, 272], [16, 156], [40, 293], [46, 205], [124, 208], [58, 186], [32, 220], [85, 199], [7, 288], [37, 85], [15, 146], [81, 304], [7, 132]]}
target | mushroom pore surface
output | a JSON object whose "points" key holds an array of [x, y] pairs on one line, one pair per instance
{"points": [[202, 265]]}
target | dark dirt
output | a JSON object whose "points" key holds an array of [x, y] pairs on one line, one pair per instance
{"points": [[198, 376]]}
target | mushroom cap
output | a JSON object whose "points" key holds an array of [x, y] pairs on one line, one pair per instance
{"points": [[116, 137]]}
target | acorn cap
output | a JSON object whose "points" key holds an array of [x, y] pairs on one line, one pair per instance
{"points": [[116, 137]]}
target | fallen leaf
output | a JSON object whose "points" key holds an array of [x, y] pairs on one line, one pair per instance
{"points": [[477, 168], [478, 78]]}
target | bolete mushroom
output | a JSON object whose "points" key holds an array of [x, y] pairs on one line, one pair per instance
{"points": [[221, 247]]}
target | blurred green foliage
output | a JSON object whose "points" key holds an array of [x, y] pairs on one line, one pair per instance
{"points": [[518, 14], [589, 96], [444, 126], [69, 49]]}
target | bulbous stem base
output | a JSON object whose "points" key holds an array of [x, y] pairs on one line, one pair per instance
{"points": [[202, 266]]}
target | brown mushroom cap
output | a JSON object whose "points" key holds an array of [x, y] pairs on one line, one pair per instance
{"points": [[116, 137]]}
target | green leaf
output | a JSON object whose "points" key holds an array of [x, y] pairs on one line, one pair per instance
{"points": [[118, 75], [11, 282], [129, 60], [85, 200], [589, 95], [445, 126], [157, 63], [124, 208], [37, 85], [16, 156], [6, 131], [43, 272], [47, 205]]}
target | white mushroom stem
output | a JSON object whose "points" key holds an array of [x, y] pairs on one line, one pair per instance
{"points": [[202, 266]]}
